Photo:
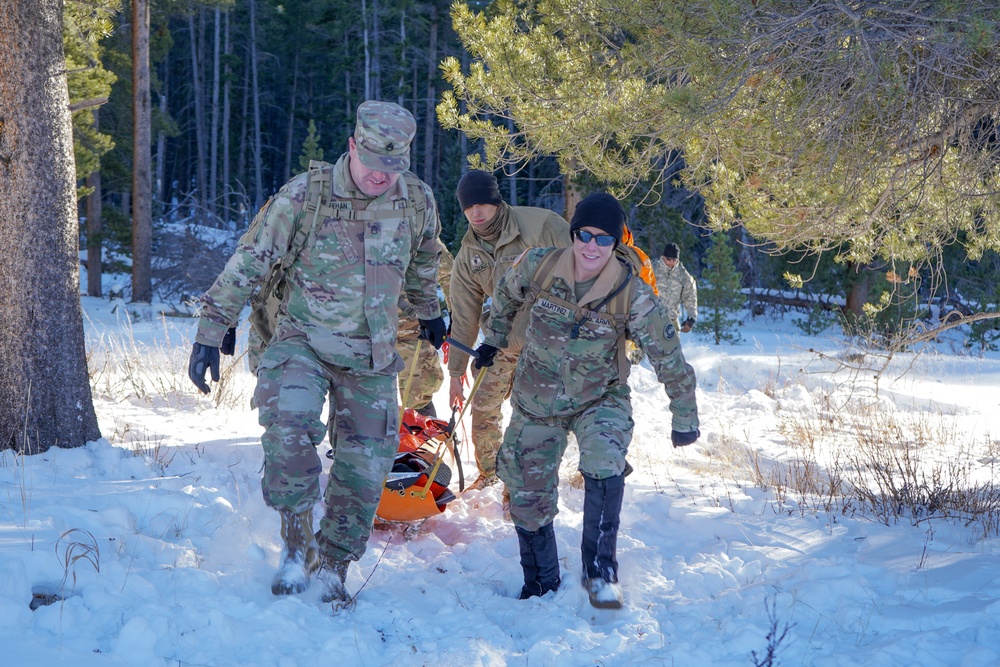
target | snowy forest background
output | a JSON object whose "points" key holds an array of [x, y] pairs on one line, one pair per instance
{"points": [[829, 169], [244, 93]]}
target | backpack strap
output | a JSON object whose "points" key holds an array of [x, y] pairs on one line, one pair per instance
{"points": [[320, 180], [415, 193], [545, 269]]}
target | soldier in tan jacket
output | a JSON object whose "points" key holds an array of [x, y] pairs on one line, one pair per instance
{"points": [[498, 233]]}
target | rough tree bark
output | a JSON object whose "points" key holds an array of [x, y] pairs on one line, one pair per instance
{"points": [[45, 398]]}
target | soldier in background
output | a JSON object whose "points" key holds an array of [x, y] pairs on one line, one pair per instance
{"points": [[336, 334], [428, 376], [498, 233], [677, 287], [572, 377]]}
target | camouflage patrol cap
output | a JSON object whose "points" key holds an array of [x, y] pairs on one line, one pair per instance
{"points": [[383, 135]]}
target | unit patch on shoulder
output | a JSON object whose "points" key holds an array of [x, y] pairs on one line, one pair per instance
{"points": [[669, 331]]}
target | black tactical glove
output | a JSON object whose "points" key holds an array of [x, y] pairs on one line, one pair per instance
{"points": [[688, 325], [228, 346], [484, 356], [682, 438], [433, 331], [203, 357]]}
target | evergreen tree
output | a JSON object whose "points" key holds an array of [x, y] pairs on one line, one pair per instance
{"points": [[88, 81], [719, 294], [310, 148]]}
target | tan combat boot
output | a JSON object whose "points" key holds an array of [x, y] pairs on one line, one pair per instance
{"points": [[331, 577], [299, 556]]}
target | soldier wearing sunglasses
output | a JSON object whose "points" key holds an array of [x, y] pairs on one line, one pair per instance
{"points": [[571, 377]]}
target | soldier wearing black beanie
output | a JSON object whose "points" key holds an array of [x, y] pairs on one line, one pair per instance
{"points": [[602, 211], [478, 187]]}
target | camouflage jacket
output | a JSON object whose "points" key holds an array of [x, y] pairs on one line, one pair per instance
{"points": [[478, 270], [558, 375], [677, 289], [342, 291]]}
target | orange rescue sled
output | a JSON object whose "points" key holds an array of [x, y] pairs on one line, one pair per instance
{"points": [[407, 496]]}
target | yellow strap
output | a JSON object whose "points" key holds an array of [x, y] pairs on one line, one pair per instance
{"points": [[451, 436], [409, 380]]}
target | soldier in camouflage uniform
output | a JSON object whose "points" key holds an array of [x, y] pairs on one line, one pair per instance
{"points": [[428, 376], [572, 377], [677, 287], [498, 233], [335, 337]]}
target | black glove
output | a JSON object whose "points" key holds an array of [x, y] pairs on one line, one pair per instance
{"points": [[688, 325], [203, 357], [433, 331], [682, 438], [484, 356], [228, 346]]}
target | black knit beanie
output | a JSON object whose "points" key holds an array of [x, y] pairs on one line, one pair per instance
{"points": [[671, 251], [478, 187], [602, 211]]}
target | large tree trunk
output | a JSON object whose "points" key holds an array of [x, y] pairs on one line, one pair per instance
{"points": [[45, 398], [142, 183]]}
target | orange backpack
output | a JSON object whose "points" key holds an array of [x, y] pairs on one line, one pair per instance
{"points": [[645, 270]]}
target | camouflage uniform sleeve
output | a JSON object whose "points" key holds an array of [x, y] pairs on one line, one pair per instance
{"points": [[508, 297], [651, 325], [555, 233], [420, 282], [264, 243], [444, 274], [689, 296]]}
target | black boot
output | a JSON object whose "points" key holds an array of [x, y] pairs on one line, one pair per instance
{"points": [[602, 504], [539, 561]]}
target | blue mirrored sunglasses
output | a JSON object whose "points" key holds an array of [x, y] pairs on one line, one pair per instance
{"points": [[603, 240]]}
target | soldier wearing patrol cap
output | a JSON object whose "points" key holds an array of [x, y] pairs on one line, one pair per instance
{"points": [[374, 238]]}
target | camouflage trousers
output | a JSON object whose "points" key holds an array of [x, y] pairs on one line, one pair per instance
{"points": [[533, 447], [428, 376], [487, 417], [292, 387]]}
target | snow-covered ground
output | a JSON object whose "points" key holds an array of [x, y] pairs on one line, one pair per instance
{"points": [[158, 542]]}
